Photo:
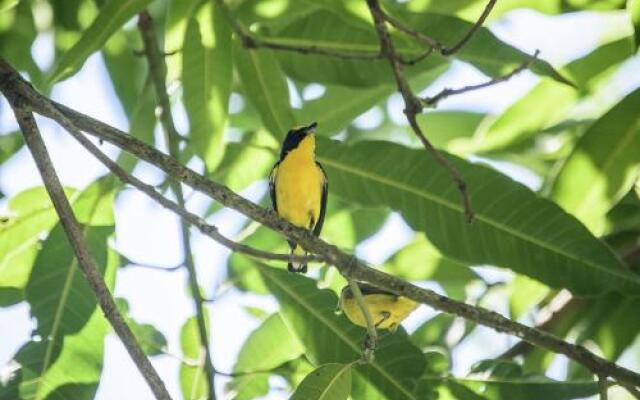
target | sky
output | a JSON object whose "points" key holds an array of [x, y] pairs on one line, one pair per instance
{"points": [[148, 234]]}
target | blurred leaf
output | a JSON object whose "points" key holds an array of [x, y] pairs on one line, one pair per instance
{"points": [[266, 88], [433, 332], [519, 122], [193, 380], [430, 203], [179, 13], [206, 78], [522, 388], [17, 35], [247, 161], [633, 8], [603, 166], [421, 261], [340, 105], [266, 348], [524, 294], [327, 382], [9, 145], [151, 340], [328, 338], [65, 14], [444, 127], [347, 225], [113, 14]]}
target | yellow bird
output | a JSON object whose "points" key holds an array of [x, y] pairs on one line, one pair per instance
{"points": [[298, 187], [387, 309]]}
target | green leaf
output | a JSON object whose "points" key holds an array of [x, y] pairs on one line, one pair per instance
{"points": [[507, 389], [309, 314], [340, 105], [206, 78], [518, 122], [266, 348], [178, 15], [9, 145], [151, 340], [513, 228], [113, 14], [266, 88], [421, 261], [17, 35], [69, 321], [603, 166], [247, 161], [193, 379], [331, 30], [524, 294], [327, 382], [433, 332], [633, 8]]}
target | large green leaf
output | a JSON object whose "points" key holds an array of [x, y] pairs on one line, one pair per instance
{"points": [[265, 87], [603, 166], [327, 338], [519, 122], [113, 14], [268, 347], [327, 382], [332, 30], [513, 228], [206, 78]]}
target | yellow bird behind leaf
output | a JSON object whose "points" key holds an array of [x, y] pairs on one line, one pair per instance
{"points": [[387, 309]]}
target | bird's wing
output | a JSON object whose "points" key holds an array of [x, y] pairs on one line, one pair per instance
{"points": [[323, 201], [272, 186]]}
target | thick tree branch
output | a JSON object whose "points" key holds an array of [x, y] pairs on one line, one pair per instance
{"points": [[158, 73], [12, 84], [86, 262], [413, 105]]}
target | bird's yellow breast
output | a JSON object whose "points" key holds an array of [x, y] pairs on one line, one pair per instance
{"points": [[298, 185], [387, 310]]}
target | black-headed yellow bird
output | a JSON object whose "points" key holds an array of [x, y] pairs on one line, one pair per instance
{"points": [[387, 309], [298, 186]]}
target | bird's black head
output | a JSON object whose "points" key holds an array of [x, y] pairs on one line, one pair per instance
{"points": [[294, 137]]}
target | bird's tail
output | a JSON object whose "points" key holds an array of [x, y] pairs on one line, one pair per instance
{"points": [[295, 266]]}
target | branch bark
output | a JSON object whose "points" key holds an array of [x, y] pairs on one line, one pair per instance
{"points": [[350, 267], [413, 105], [85, 260], [158, 73]]}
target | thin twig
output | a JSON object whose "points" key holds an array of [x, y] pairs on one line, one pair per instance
{"points": [[372, 336], [156, 267], [158, 73], [434, 100], [85, 260], [472, 31], [413, 105], [12, 84]]}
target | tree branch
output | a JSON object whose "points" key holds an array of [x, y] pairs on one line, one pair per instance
{"points": [[434, 100], [413, 105], [158, 73], [249, 41], [12, 84], [86, 262], [472, 31]]}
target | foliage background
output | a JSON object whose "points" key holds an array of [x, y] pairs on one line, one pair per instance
{"points": [[531, 128]]}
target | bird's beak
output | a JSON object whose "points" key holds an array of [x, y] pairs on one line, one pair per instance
{"points": [[309, 128]]}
